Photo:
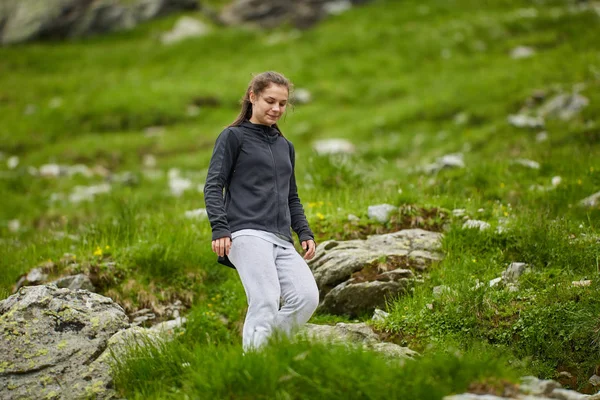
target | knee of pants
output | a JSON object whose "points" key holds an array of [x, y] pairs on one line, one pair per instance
{"points": [[308, 300], [266, 306]]}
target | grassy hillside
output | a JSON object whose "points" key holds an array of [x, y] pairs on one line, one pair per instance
{"points": [[406, 82]]}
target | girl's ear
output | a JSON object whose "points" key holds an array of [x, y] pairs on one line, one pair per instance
{"points": [[252, 97]]}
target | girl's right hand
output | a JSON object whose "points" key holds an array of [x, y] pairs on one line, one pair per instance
{"points": [[221, 246]]}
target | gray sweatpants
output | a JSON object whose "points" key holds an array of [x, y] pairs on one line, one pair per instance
{"points": [[268, 272]]}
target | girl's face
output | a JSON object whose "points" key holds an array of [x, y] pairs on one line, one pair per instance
{"points": [[269, 106]]}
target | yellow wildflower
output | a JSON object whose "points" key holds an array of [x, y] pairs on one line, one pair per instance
{"points": [[502, 185], [579, 182], [474, 260], [98, 252], [320, 216], [107, 247], [505, 214]]}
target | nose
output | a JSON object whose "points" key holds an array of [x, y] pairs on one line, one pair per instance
{"points": [[276, 107]]}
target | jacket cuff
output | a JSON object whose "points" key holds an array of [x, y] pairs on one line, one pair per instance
{"points": [[306, 236], [221, 233]]}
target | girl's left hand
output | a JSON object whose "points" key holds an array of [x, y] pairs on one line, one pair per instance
{"points": [[309, 247]]}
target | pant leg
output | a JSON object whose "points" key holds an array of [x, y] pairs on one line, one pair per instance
{"points": [[298, 289], [254, 259]]}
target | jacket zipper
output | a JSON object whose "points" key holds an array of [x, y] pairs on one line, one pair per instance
{"points": [[276, 183]]}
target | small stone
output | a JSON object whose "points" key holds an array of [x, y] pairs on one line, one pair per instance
{"points": [[14, 225], [591, 201], [495, 281], [381, 212], [534, 386], [556, 180], [199, 213], [337, 7], [352, 217], [50, 170], [149, 161], [380, 315], [473, 223], [541, 137], [440, 290], [527, 163], [12, 162], [55, 102], [333, 146], [594, 380], [459, 212], [522, 52], [179, 185], [185, 27], [36, 276], [302, 96], [525, 121], [75, 282], [513, 272], [582, 283], [154, 131]]}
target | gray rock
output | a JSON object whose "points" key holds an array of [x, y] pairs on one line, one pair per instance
{"points": [[594, 380], [333, 146], [474, 223], [591, 201], [538, 387], [302, 96], [34, 277], [440, 291], [355, 298], [74, 282], [525, 121], [381, 212], [379, 315], [353, 278], [26, 20], [271, 13], [455, 160], [564, 394], [527, 163], [359, 334], [51, 339], [563, 106], [513, 272], [494, 282], [522, 52], [185, 27]]}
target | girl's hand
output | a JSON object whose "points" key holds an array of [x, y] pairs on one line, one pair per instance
{"points": [[309, 247], [221, 246]]}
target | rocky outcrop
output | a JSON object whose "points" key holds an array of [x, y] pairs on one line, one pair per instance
{"points": [[357, 276], [272, 13], [359, 334], [24, 20], [531, 388], [51, 341]]}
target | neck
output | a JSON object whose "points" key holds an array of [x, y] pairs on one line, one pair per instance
{"points": [[255, 122]]}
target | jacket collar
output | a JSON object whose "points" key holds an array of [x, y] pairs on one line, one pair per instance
{"points": [[267, 133]]}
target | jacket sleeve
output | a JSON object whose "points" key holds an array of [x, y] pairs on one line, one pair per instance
{"points": [[299, 222], [221, 164]]}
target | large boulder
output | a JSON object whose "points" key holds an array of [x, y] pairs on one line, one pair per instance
{"points": [[271, 13], [357, 276], [24, 20], [51, 341]]}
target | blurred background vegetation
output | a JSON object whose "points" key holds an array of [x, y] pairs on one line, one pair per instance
{"points": [[405, 82]]}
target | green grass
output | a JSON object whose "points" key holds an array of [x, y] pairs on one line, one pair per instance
{"points": [[392, 78]]}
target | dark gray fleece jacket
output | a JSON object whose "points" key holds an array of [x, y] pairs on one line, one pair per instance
{"points": [[251, 184]]}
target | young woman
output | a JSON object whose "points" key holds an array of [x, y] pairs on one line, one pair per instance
{"points": [[252, 201]]}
